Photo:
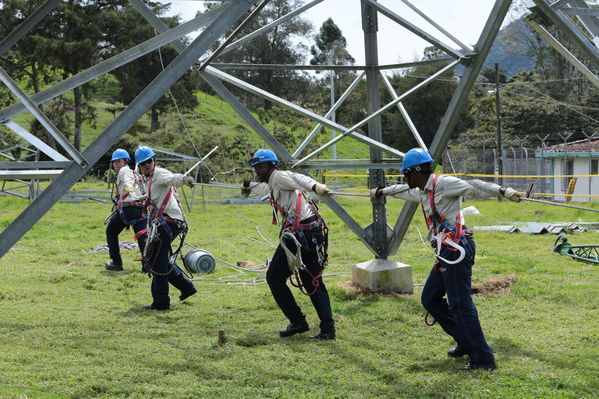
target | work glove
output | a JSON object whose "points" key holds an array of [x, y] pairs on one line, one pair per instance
{"points": [[512, 194], [245, 189], [322, 190], [128, 188], [376, 193], [190, 181]]}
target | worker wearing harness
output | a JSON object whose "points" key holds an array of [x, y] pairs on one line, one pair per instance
{"points": [[302, 228], [165, 222], [128, 207], [441, 200]]}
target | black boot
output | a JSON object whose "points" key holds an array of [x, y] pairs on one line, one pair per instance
{"points": [[295, 328], [456, 352], [324, 335], [186, 294], [113, 266]]}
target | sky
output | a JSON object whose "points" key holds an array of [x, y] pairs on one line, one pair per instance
{"points": [[464, 19]]}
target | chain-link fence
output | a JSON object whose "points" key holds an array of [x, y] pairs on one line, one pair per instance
{"points": [[550, 171]]}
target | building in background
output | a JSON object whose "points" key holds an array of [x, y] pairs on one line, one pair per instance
{"points": [[575, 160]]}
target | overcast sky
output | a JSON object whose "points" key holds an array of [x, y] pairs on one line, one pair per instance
{"points": [[464, 19]]}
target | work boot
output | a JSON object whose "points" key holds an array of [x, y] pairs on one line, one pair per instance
{"points": [[295, 328], [456, 352], [186, 294], [483, 366], [324, 335], [113, 266]]}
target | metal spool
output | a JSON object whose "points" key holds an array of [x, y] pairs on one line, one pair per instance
{"points": [[199, 261]]}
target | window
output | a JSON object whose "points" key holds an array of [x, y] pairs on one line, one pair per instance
{"points": [[568, 170], [595, 166]]}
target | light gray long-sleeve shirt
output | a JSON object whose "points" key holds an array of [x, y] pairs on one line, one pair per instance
{"points": [[161, 182], [449, 191], [126, 176], [285, 187]]}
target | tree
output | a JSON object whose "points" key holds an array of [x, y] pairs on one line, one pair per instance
{"points": [[78, 38], [136, 75], [331, 46], [280, 45]]}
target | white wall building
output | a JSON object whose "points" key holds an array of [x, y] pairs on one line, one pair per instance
{"points": [[578, 159]]}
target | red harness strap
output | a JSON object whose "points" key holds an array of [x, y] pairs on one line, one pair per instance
{"points": [[440, 217], [160, 210], [283, 212]]}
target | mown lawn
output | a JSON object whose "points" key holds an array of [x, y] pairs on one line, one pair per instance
{"points": [[71, 329]]}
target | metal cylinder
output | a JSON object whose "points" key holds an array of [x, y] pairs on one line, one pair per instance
{"points": [[199, 261]]}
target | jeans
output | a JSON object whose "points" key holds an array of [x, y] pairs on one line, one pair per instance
{"points": [[278, 272], [457, 315], [115, 226], [164, 271]]}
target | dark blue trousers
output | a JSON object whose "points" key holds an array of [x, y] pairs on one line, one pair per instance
{"points": [[278, 272], [117, 224], [457, 314], [161, 267]]}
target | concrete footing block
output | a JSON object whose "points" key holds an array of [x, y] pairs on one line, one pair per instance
{"points": [[383, 275]]}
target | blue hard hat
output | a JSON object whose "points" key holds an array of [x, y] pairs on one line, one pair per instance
{"points": [[143, 153], [119, 153], [264, 155], [414, 157]]}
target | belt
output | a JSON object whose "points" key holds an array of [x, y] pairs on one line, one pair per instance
{"points": [[133, 204], [310, 223]]}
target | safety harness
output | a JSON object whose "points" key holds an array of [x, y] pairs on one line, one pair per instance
{"points": [[443, 233], [118, 203], [292, 229], [155, 219]]}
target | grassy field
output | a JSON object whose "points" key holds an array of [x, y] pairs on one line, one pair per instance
{"points": [[71, 329]]}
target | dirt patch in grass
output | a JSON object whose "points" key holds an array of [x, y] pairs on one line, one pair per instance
{"points": [[248, 264], [356, 289], [495, 285]]}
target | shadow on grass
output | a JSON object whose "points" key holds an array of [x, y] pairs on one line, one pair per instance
{"points": [[582, 361]]}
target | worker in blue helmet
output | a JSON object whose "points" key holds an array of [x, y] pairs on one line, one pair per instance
{"points": [[165, 222], [128, 206], [302, 252], [441, 200]]}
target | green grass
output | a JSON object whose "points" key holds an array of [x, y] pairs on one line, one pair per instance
{"points": [[70, 329]]}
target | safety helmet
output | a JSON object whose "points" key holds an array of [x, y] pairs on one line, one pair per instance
{"points": [[264, 155], [143, 153], [415, 157], [119, 153]]}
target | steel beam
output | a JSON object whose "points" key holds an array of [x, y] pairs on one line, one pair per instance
{"points": [[121, 124], [33, 140], [376, 177], [352, 164], [270, 26], [557, 46], [33, 165], [26, 25], [378, 112], [414, 29], [42, 118], [452, 114], [569, 30], [263, 93], [334, 108], [285, 156], [404, 113], [418, 11], [29, 174], [112, 63]]}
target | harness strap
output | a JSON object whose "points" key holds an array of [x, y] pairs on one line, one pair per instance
{"points": [[149, 202]]}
